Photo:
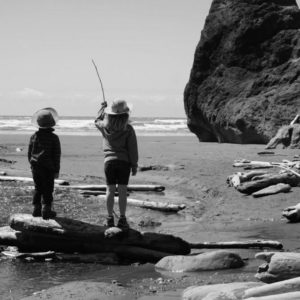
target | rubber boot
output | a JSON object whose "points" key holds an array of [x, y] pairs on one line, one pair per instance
{"points": [[48, 213], [110, 221], [37, 210]]}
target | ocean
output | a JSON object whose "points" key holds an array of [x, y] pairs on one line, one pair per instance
{"points": [[85, 126]]}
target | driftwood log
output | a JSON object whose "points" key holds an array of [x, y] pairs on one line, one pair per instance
{"points": [[238, 244], [273, 189], [236, 179], [130, 187], [161, 206], [65, 235], [28, 179], [256, 185]]}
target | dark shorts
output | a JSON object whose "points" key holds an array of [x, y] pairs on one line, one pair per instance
{"points": [[117, 172]]}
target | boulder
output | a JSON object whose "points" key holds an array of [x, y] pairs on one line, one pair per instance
{"points": [[279, 266], [285, 286], [245, 79], [214, 260], [224, 291]]}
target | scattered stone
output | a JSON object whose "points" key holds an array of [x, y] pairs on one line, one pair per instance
{"points": [[148, 221], [78, 290], [214, 260]]}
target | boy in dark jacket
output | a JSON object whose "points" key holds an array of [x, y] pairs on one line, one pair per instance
{"points": [[44, 153]]}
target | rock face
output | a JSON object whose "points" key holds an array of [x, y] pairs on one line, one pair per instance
{"points": [[245, 79]]}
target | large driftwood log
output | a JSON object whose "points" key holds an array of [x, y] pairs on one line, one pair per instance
{"points": [[273, 189], [285, 286], [69, 236], [130, 187], [278, 266], [161, 206], [238, 244], [28, 179], [236, 179], [254, 186]]}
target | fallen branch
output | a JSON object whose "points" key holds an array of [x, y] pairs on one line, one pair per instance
{"points": [[166, 207], [28, 179], [130, 187], [238, 244]]}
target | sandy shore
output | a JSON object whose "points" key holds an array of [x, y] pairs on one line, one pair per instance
{"points": [[196, 176]]}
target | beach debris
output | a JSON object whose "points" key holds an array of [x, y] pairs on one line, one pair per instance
{"points": [[28, 179], [236, 179], [170, 167], [68, 236], [238, 244], [2, 173], [285, 286], [292, 213], [19, 149], [250, 187], [148, 221], [4, 160], [279, 266], [214, 260], [273, 189], [14, 253], [234, 290], [288, 136], [161, 206], [130, 187], [266, 153]]}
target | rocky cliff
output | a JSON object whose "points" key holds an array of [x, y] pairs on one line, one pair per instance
{"points": [[245, 79]]}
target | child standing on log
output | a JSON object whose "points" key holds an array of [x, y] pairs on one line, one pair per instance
{"points": [[44, 153], [120, 155]]}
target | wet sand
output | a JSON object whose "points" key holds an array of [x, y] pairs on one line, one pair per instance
{"points": [[196, 177]]}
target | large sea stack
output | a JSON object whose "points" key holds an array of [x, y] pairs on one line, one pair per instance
{"points": [[245, 79]]}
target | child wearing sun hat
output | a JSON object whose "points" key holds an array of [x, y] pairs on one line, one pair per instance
{"points": [[120, 155], [44, 153]]}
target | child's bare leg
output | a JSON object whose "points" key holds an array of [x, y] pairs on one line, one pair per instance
{"points": [[122, 189], [110, 195]]}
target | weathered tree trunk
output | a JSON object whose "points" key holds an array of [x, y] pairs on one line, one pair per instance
{"points": [[237, 244], [28, 179], [69, 236], [166, 207], [256, 185]]}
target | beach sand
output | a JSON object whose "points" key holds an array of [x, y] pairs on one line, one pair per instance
{"points": [[196, 176]]}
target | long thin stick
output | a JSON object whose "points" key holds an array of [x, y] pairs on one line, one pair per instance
{"points": [[99, 80]]}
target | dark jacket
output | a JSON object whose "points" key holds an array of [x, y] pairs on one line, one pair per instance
{"points": [[44, 150]]}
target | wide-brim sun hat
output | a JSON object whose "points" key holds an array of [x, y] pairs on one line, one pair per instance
{"points": [[118, 107], [45, 118]]}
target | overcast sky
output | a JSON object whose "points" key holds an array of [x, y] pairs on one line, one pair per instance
{"points": [[143, 49]]}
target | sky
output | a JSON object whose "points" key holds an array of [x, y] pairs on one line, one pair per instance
{"points": [[143, 49]]}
